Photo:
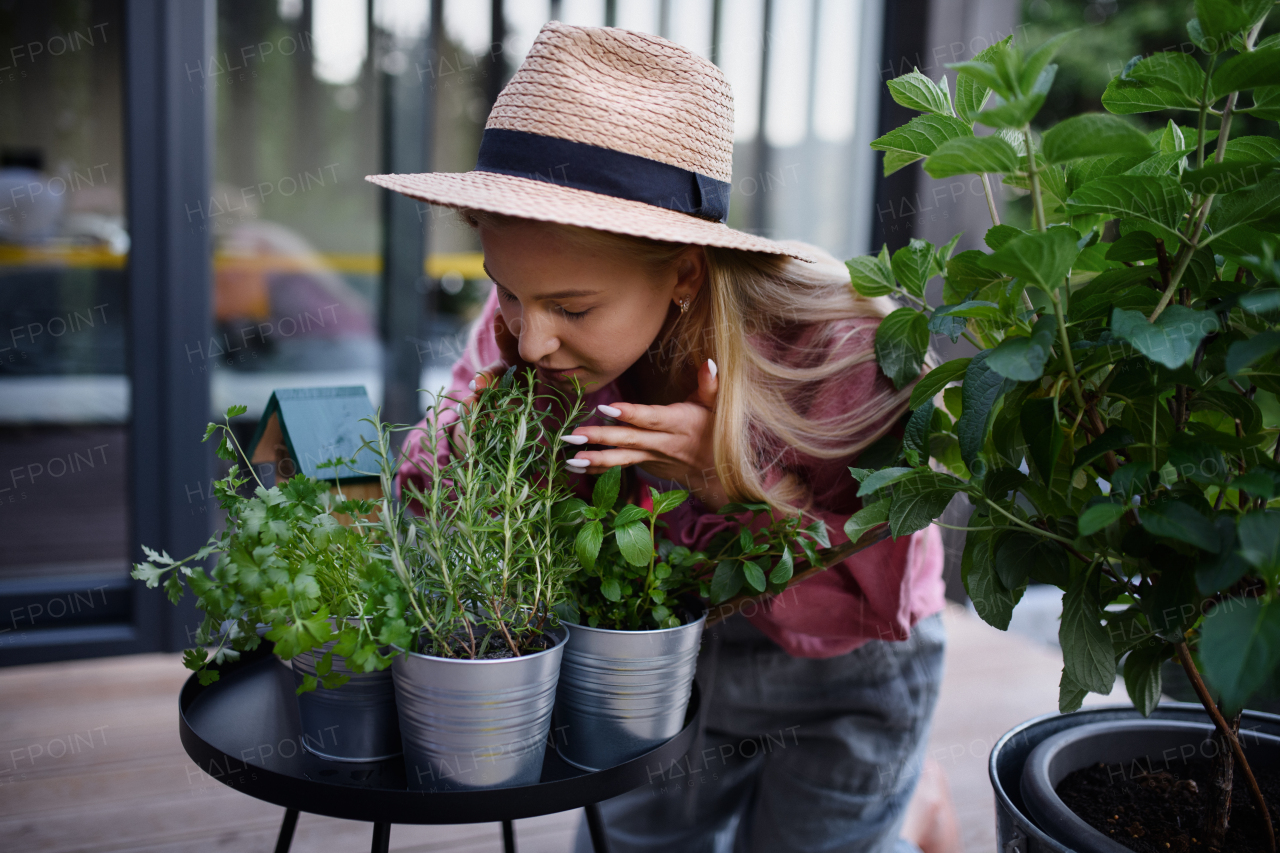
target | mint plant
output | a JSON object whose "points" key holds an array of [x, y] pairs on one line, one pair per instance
{"points": [[284, 561], [632, 577], [1116, 430]]}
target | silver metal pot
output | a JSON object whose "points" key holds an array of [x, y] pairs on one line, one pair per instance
{"points": [[354, 722], [472, 724], [623, 692]]}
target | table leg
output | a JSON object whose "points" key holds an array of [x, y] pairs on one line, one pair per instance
{"points": [[285, 838], [508, 837], [595, 825], [381, 838]]}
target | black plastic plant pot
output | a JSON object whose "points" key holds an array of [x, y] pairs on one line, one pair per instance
{"points": [[1029, 760]]}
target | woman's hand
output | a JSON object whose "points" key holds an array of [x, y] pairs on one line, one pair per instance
{"points": [[672, 442], [509, 347]]}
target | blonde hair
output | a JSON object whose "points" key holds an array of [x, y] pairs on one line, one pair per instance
{"points": [[745, 317]]}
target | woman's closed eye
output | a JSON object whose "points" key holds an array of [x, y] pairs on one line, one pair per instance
{"points": [[507, 295]]}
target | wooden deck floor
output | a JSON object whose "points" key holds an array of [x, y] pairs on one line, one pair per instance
{"points": [[90, 759]]}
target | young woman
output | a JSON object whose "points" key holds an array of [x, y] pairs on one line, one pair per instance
{"points": [[735, 367]]}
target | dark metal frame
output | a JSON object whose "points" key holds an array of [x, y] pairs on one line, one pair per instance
{"points": [[168, 131], [375, 792]]}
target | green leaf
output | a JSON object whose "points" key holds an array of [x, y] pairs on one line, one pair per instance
{"points": [[918, 138], [1159, 201], [1087, 655], [965, 274], [1115, 438], [1023, 358], [998, 236], [991, 600], [1177, 520], [971, 92], [912, 265], [1172, 604], [1021, 556], [999, 483], [1134, 246], [1266, 104], [1259, 537], [1174, 72], [1043, 435], [1038, 258], [630, 514], [933, 381], [611, 589], [1093, 135], [1171, 339], [786, 567], [1246, 70], [668, 501], [1244, 353], [918, 500], [871, 276], [726, 581], [971, 155], [917, 92], [1035, 63], [1227, 177], [1236, 209], [877, 480], [1126, 97], [754, 576], [1240, 649], [1016, 112], [1142, 675], [1222, 573], [635, 543], [982, 388], [866, 518], [236, 411], [1252, 148], [605, 492], [902, 339], [915, 437], [1070, 695], [1099, 517], [588, 543], [1221, 19]]}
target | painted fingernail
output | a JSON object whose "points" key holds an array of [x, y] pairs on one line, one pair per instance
{"points": [[574, 439], [472, 386], [714, 370], [578, 463], [611, 411]]}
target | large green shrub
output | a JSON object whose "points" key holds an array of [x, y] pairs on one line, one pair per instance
{"points": [[1116, 431]]}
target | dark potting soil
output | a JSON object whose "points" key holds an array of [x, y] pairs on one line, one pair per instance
{"points": [[1162, 811]]}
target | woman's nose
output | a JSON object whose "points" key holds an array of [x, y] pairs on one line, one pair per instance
{"points": [[536, 339]]}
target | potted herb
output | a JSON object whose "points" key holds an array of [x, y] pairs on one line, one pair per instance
{"points": [[1116, 430], [635, 617], [481, 564], [288, 570]]}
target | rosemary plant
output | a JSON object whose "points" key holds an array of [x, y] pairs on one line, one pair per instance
{"points": [[483, 559]]}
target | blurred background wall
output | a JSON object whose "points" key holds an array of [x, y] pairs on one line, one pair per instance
{"points": [[184, 225]]}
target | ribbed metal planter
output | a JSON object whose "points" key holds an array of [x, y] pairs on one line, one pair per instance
{"points": [[472, 724], [623, 692], [354, 722]]}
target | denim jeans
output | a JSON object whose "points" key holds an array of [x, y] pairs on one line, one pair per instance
{"points": [[797, 754]]}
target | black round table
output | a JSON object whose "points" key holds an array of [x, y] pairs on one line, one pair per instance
{"points": [[244, 731]]}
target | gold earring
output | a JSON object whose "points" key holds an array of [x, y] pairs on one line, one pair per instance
{"points": [[684, 305]]}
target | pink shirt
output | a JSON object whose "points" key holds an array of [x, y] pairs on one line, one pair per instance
{"points": [[878, 593]]}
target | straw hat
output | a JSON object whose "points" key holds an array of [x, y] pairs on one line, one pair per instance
{"points": [[608, 129]]}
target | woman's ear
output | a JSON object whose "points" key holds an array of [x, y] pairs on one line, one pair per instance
{"points": [[691, 271]]}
